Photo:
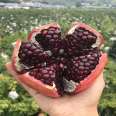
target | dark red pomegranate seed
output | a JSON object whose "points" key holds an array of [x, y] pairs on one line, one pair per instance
{"points": [[50, 39], [81, 66], [31, 54], [80, 39], [46, 74]]}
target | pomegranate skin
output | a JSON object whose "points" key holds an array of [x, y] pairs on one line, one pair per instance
{"points": [[38, 86], [52, 91], [61, 60]]}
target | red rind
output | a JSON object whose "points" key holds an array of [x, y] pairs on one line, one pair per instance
{"points": [[38, 85], [84, 84], [52, 90], [37, 31]]}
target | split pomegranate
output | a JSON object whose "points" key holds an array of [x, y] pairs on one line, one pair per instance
{"points": [[55, 65]]}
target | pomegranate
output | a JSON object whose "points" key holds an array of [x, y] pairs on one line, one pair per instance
{"points": [[55, 65]]}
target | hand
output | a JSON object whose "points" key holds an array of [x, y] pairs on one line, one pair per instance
{"points": [[82, 104]]}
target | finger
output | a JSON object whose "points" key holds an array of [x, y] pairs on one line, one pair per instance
{"points": [[94, 92], [97, 88], [40, 99], [11, 70], [98, 84]]}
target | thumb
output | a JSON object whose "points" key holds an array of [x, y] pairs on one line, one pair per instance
{"points": [[11, 70]]}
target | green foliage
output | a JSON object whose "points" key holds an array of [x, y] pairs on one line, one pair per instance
{"points": [[22, 106], [19, 21], [112, 51], [108, 104], [16, 24], [106, 24], [2, 68]]}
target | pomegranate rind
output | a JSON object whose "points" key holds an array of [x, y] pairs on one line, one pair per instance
{"points": [[38, 85], [34, 32], [83, 25], [87, 82], [50, 90], [29, 80]]}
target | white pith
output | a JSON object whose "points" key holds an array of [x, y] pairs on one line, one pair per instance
{"points": [[69, 86], [97, 43], [72, 29], [33, 37], [19, 66], [50, 87]]}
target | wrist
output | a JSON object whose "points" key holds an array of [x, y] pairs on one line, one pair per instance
{"points": [[77, 112]]}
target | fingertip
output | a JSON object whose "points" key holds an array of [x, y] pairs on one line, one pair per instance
{"points": [[9, 67]]}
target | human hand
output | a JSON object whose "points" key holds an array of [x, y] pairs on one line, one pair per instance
{"points": [[82, 104]]}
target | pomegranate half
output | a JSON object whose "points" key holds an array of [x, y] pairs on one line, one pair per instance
{"points": [[55, 65]]}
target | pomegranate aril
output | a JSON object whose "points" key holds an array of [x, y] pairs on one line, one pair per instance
{"points": [[45, 74], [48, 36], [51, 40], [91, 58], [55, 36], [85, 32], [82, 66], [50, 32], [31, 54], [87, 64], [44, 71], [80, 39], [80, 34], [84, 60]]}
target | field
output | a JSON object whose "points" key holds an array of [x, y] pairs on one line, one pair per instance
{"points": [[17, 24]]}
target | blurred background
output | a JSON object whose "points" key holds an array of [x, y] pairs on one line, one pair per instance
{"points": [[19, 17]]}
